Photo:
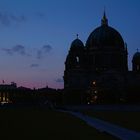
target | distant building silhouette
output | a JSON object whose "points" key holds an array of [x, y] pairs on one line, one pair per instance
{"points": [[98, 71], [5, 92], [26, 97]]}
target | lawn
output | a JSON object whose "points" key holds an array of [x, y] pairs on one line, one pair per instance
{"points": [[127, 119], [45, 124]]}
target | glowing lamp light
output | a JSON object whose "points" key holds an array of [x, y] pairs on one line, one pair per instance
{"points": [[96, 91], [94, 82]]}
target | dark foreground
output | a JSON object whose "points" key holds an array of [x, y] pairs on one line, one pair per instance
{"points": [[126, 119], [127, 116], [34, 123]]}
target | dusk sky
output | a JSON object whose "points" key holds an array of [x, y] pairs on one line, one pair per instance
{"points": [[35, 35]]}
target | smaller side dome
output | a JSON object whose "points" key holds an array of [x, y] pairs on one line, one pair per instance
{"points": [[136, 57], [136, 62], [77, 44]]}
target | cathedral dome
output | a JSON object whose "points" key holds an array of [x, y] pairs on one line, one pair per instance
{"points": [[105, 36], [77, 44]]}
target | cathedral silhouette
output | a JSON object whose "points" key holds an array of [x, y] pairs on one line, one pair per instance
{"points": [[98, 71]]}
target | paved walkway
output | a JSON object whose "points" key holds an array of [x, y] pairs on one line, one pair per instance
{"points": [[103, 126]]}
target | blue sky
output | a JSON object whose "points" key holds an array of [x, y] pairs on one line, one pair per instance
{"points": [[35, 35]]}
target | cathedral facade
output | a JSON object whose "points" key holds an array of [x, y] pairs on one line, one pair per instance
{"points": [[98, 70]]}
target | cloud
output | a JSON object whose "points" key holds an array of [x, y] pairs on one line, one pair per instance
{"points": [[20, 18], [46, 48], [59, 80], [7, 19], [43, 51], [34, 65], [8, 51], [40, 15], [19, 49]]}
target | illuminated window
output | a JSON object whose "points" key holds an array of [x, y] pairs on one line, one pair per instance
{"points": [[95, 97], [0, 97], [77, 59], [95, 91], [94, 82], [138, 67]]}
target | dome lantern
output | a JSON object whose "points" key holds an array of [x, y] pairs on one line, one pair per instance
{"points": [[104, 20]]}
